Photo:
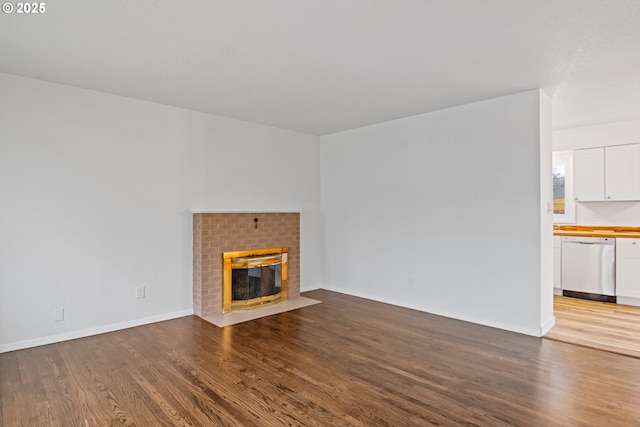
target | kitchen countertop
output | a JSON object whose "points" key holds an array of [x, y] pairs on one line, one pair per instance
{"points": [[596, 231]]}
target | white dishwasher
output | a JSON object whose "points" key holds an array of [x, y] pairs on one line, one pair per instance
{"points": [[589, 267]]}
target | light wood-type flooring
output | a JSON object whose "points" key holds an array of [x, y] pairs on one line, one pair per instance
{"points": [[347, 361], [601, 325]]}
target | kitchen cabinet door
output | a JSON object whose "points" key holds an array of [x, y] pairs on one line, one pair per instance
{"points": [[628, 268], [588, 175], [622, 172]]}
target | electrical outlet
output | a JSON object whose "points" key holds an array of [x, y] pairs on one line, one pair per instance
{"points": [[140, 292], [58, 314]]}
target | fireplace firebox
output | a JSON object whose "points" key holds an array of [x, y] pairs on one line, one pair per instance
{"points": [[254, 278]]}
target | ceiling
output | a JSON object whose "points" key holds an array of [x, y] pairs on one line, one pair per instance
{"points": [[323, 66]]}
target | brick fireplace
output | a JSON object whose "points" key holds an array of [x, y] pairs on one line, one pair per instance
{"points": [[217, 232]]}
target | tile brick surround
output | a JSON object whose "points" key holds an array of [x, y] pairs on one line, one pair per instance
{"points": [[215, 233]]}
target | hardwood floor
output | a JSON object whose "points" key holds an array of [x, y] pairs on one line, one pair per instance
{"points": [[600, 325], [347, 361]]}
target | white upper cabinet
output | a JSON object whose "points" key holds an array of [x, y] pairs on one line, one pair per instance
{"points": [[622, 172], [588, 175], [607, 173]]}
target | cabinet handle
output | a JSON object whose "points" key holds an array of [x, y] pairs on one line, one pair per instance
{"points": [[575, 198], [633, 243], [608, 197]]}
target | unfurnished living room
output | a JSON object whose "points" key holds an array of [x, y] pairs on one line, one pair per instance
{"points": [[318, 213]]}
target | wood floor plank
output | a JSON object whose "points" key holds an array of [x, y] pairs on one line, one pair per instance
{"points": [[187, 382], [345, 362], [599, 325], [9, 375], [31, 393], [113, 384]]}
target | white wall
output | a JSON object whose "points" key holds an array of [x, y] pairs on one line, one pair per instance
{"points": [[96, 195], [602, 135], [442, 212], [546, 215]]}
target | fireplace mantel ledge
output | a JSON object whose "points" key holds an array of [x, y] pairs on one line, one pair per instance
{"points": [[200, 211]]}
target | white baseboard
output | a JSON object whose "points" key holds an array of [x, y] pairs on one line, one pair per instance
{"points": [[536, 332], [92, 331], [311, 288], [628, 301], [546, 326]]}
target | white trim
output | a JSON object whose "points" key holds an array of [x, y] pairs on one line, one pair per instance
{"points": [[199, 211], [51, 339], [628, 300], [315, 287], [536, 332], [546, 326]]}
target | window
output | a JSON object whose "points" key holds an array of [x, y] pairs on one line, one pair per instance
{"points": [[563, 204], [559, 180]]}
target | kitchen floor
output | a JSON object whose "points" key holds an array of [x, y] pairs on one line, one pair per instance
{"points": [[604, 326]]}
